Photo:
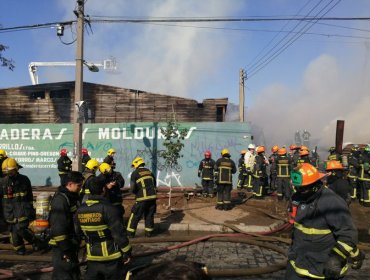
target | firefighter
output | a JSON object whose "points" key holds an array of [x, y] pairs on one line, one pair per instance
{"points": [[272, 158], [108, 248], [333, 155], [64, 165], [143, 186], [294, 154], [206, 172], [353, 170], [249, 163], [324, 238], [304, 157], [336, 181], [315, 157], [17, 206], [283, 165], [3, 157], [364, 177], [224, 170], [259, 173], [110, 158], [63, 237], [114, 183], [85, 158], [89, 173], [242, 178]]}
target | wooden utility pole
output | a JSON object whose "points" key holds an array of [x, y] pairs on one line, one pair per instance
{"points": [[78, 97], [242, 77]]}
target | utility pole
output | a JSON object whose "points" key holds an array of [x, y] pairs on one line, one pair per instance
{"points": [[78, 97], [242, 77]]}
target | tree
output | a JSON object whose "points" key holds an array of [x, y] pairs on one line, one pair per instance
{"points": [[8, 63], [173, 144]]}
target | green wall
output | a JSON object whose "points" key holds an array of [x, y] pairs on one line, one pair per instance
{"points": [[36, 147]]}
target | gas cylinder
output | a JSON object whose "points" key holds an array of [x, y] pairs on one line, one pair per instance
{"points": [[42, 212]]}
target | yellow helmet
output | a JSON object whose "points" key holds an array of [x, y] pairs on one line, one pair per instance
{"points": [[105, 168], [92, 164], [9, 164], [111, 152], [2, 153], [224, 152], [137, 162]]}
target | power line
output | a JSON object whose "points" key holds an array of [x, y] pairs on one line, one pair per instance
{"points": [[172, 20], [290, 42]]}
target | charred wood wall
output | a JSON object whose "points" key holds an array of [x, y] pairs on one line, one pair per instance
{"points": [[53, 103]]}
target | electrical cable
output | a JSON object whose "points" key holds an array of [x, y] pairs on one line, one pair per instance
{"points": [[286, 45]]}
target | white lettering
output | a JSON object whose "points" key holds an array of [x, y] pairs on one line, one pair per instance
{"points": [[147, 133], [84, 133], [47, 134], [4, 135], [60, 133], [35, 132], [103, 133], [139, 133], [25, 134], [124, 134], [14, 134], [116, 133]]}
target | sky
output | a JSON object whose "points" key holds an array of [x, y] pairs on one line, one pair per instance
{"points": [[300, 75]]}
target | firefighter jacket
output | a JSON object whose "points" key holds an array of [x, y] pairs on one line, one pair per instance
{"points": [[249, 161], [322, 226], [260, 164], [282, 165], [84, 160], [63, 207], [88, 176], [17, 198], [206, 169], [1, 162], [103, 228], [304, 159], [340, 186], [353, 165], [110, 160], [335, 156], [272, 159], [364, 174], [64, 164], [241, 165], [114, 194], [143, 184], [224, 170]]}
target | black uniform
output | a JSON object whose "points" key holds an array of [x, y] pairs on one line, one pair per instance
{"points": [[106, 239], [272, 159], [304, 159], [339, 185], [114, 194], [283, 165], [206, 172], [364, 179], [243, 175], [17, 207], [335, 156], [64, 167], [110, 160], [323, 230], [353, 172], [63, 237], [143, 185], [1, 162], [259, 176], [84, 160], [88, 180], [224, 169]]}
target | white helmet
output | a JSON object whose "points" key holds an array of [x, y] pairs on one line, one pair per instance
{"points": [[251, 146]]}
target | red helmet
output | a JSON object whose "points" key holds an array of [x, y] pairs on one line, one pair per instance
{"points": [[274, 149], [293, 147], [207, 154], [63, 152], [84, 151]]}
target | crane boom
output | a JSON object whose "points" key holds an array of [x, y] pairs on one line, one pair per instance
{"points": [[108, 64]]}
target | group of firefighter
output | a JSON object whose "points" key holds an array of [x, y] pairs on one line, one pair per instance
{"points": [[87, 207], [324, 239], [262, 175]]}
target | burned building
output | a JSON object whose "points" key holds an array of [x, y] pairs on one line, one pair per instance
{"points": [[54, 103]]}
